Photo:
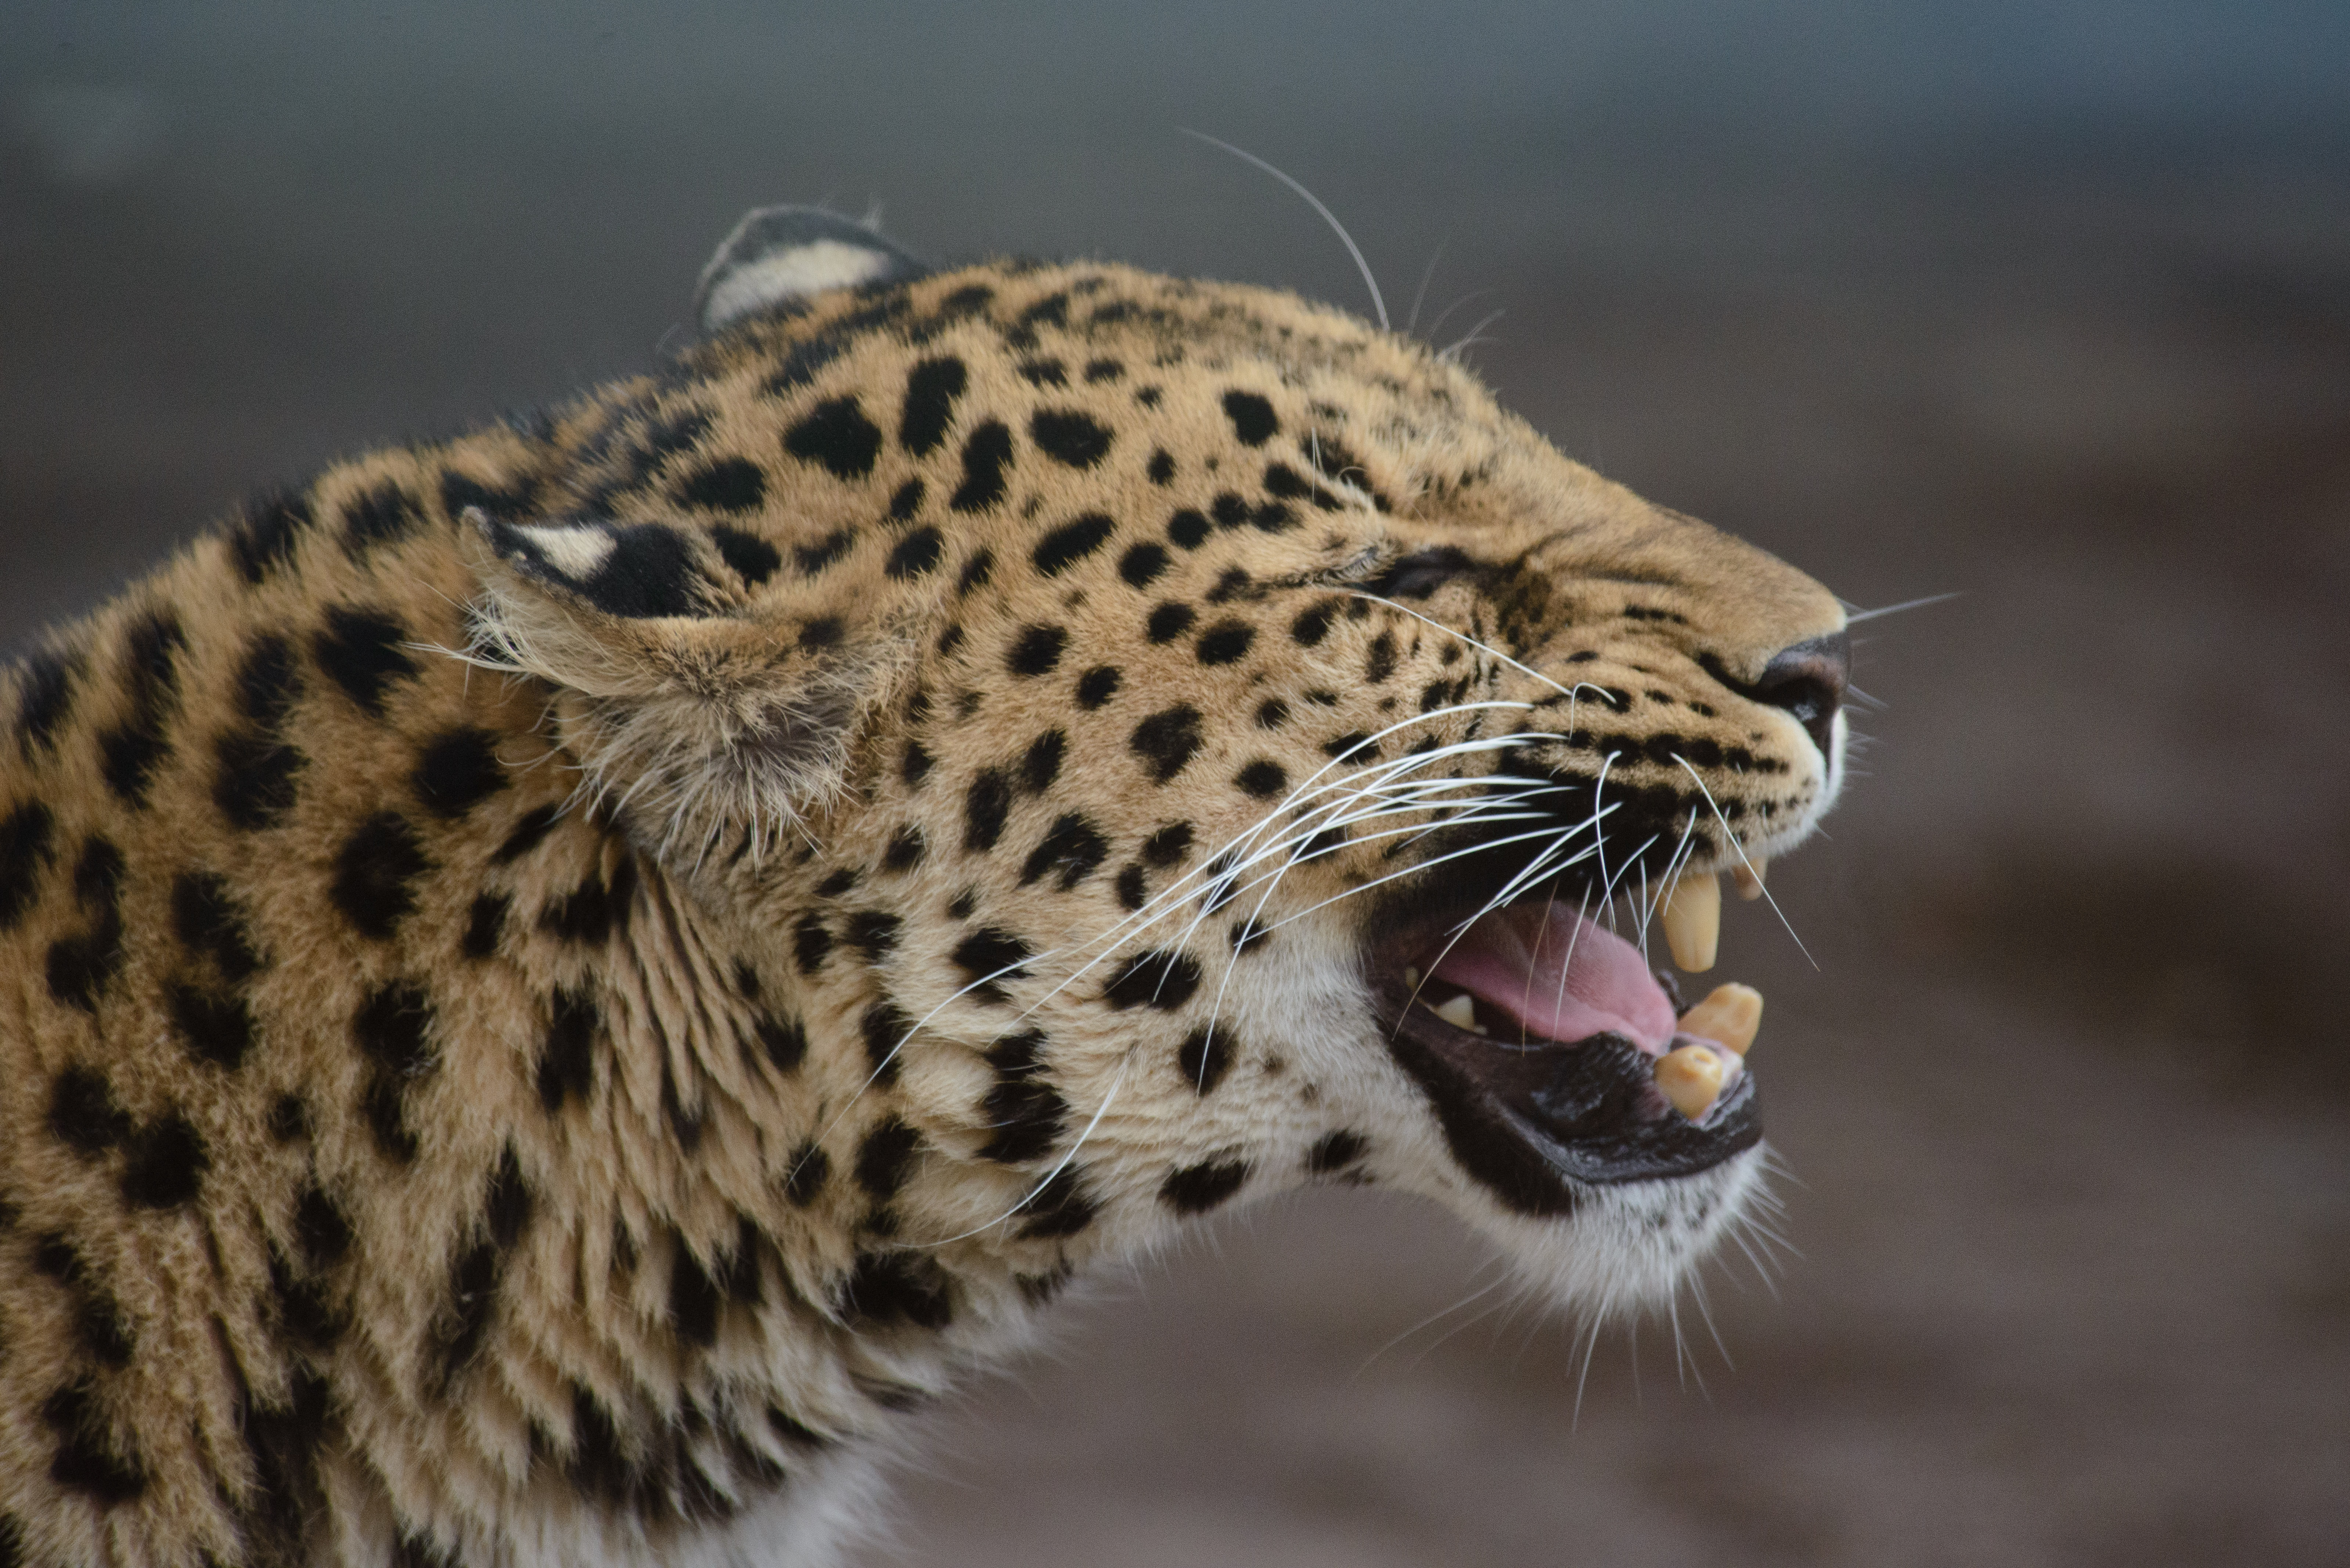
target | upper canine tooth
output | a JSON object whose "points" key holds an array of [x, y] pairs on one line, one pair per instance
{"points": [[1729, 1016], [1692, 921], [1748, 875], [1461, 1012], [1691, 1077]]}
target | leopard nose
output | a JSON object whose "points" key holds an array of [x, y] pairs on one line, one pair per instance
{"points": [[1808, 681]]}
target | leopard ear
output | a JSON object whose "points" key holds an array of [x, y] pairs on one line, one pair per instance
{"points": [[709, 704], [777, 257]]}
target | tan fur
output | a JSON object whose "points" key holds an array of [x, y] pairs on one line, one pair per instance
{"points": [[549, 1255]]}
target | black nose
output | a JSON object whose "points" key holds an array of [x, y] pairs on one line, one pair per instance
{"points": [[1808, 681]]}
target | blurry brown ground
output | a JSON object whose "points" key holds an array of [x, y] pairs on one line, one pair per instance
{"points": [[2064, 1100]]}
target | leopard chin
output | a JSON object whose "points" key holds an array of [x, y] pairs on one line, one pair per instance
{"points": [[565, 982]]}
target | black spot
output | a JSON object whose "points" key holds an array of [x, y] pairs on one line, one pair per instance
{"points": [[1196, 1189], [166, 1164], [309, 1317], [1168, 845], [375, 875], [801, 364], [589, 912], [84, 1114], [459, 769], [1143, 565], [25, 852], [1381, 661], [811, 944], [814, 559], [1060, 1208], [693, 1298], [1251, 418], [1272, 715], [131, 752], [208, 922], [265, 536], [885, 1031], [840, 881], [729, 484], [809, 1168], [485, 925], [1044, 372], [88, 1460], [1262, 779], [1226, 643], [990, 956], [985, 805], [1232, 510], [1024, 1111], [215, 1029], [1072, 542], [905, 502], [1170, 621], [566, 1061], [460, 492], [1313, 623], [873, 933], [1042, 764], [1232, 583], [1036, 650], [1133, 889], [931, 389], [1187, 528], [1070, 437], [754, 559], [253, 781], [528, 832], [1334, 1152], [907, 847], [917, 553], [359, 650], [986, 453], [289, 1118], [1159, 979], [321, 1226], [392, 1028], [898, 1287], [825, 631], [784, 1040], [81, 966], [976, 572], [1162, 468], [948, 640], [1167, 740], [1073, 847], [1206, 1054], [884, 1157], [1097, 686], [377, 516], [837, 434]]}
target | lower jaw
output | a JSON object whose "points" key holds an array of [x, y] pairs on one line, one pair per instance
{"points": [[1537, 1123]]}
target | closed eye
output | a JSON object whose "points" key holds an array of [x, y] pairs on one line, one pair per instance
{"points": [[1419, 574]]}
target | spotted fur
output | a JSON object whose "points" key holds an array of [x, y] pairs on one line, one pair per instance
{"points": [[564, 980]]}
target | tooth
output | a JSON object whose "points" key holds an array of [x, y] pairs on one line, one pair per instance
{"points": [[1461, 1012], [1692, 921], [1748, 875], [1691, 1077], [1729, 1016]]}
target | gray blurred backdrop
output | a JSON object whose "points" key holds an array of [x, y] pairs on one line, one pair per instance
{"points": [[2046, 304]]}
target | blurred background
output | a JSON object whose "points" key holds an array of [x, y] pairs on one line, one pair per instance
{"points": [[2045, 304]]}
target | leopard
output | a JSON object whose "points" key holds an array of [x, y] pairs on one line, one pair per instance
{"points": [[566, 982]]}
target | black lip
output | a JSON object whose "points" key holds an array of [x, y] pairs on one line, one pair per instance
{"points": [[1539, 1123]]}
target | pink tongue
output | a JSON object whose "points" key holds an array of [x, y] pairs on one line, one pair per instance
{"points": [[1512, 959]]}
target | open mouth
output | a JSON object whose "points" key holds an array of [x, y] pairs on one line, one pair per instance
{"points": [[1556, 1060]]}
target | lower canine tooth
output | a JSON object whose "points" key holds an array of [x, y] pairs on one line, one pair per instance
{"points": [[1729, 1015], [1748, 875], [1692, 921], [1691, 1078], [1461, 1012]]}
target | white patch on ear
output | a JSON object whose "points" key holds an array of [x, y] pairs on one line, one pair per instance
{"points": [[577, 553], [777, 254]]}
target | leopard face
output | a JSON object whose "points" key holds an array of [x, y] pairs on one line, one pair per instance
{"points": [[792, 857]]}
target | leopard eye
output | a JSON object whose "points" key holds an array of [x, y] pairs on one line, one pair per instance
{"points": [[1420, 573]]}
